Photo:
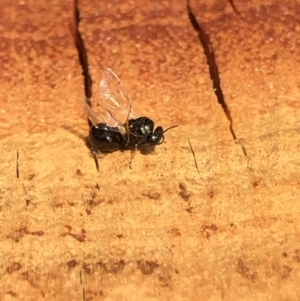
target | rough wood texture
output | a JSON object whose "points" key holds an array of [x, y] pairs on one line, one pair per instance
{"points": [[163, 230]]}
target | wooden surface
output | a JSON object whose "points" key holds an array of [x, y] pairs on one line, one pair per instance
{"points": [[163, 230]]}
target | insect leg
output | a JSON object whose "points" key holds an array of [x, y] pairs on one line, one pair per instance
{"points": [[96, 162], [133, 152], [127, 128], [94, 154]]}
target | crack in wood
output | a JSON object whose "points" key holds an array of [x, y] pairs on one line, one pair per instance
{"points": [[194, 156], [232, 4], [17, 165], [213, 69], [83, 60], [82, 54], [81, 282]]}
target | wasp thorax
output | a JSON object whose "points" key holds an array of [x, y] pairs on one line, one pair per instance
{"points": [[146, 129]]}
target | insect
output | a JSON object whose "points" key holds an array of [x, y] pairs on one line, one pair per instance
{"points": [[115, 123]]}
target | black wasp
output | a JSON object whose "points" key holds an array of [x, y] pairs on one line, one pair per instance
{"points": [[115, 123]]}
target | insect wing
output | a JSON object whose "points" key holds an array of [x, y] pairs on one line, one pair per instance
{"points": [[93, 113], [114, 106], [115, 99]]}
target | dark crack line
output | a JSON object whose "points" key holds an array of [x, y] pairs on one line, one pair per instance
{"points": [[84, 62], [82, 54], [213, 69], [24, 188], [17, 166], [231, 2], [81, 282], [194, 156]]}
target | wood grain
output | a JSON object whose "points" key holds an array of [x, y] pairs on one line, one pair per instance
{"points": [[197, 220]]}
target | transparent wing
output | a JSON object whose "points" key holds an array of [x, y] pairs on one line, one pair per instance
{"points": [[114, 106]]}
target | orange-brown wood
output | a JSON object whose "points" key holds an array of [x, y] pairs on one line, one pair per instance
{"points": [[206, 217]]}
